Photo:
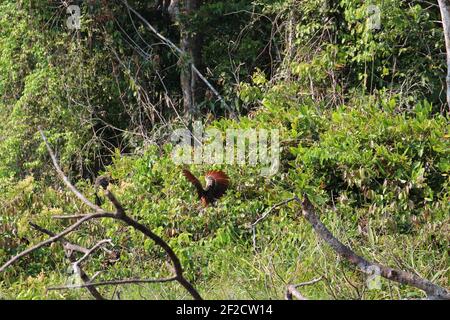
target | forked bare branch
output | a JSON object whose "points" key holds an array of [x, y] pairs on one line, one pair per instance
{"points": [[91, 251], [292, 291], [55, 237], [119, 214], [69, 248]]}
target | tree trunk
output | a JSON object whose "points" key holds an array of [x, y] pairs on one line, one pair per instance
{"points": [[190, 43], [444, 6]]}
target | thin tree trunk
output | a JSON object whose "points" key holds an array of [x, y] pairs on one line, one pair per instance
{"points": [[444, 6], [190, 43]]}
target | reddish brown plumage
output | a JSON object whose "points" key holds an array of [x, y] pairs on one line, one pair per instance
{"points": [[217, 183]]}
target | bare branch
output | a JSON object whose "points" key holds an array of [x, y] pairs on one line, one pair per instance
{"points": [[72, 216], [55, 238], [308, 283], [91, 251], [74, 247], [64, 177], [253, 225], [114, 282], [292, 289], [119, 208], [119, 215], [67, 246], [159, 241]]}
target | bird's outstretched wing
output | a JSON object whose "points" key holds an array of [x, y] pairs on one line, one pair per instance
{"points": [[220, 185], [192, 179]]}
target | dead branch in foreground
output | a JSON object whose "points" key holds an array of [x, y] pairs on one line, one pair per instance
{"points": [[120, 215], [433, 291], [69, 249], [55, 237]]}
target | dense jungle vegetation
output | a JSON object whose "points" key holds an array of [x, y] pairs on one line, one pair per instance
{"points": [[359, 98]]}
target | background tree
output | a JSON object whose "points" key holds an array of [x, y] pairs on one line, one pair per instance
{"points": [[445, 14]]}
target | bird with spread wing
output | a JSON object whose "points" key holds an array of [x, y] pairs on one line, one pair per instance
{"points": [[217, 183]]}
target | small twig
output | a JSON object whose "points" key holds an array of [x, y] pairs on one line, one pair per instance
{"points": [[114, 292], [55, 238], [271, 209], [95, 275], [72, 216], [113, 282], [292, 289], [65, 179], [351, 284], [119, 215], [253, 225], [91, 251], [69, 247], [308, 283]]}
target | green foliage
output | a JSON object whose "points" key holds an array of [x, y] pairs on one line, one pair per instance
{"points": [[376, 177], [360, 133], [335, 46]]}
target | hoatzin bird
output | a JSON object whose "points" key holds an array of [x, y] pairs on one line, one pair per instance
{"points": [[217, 183]]}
